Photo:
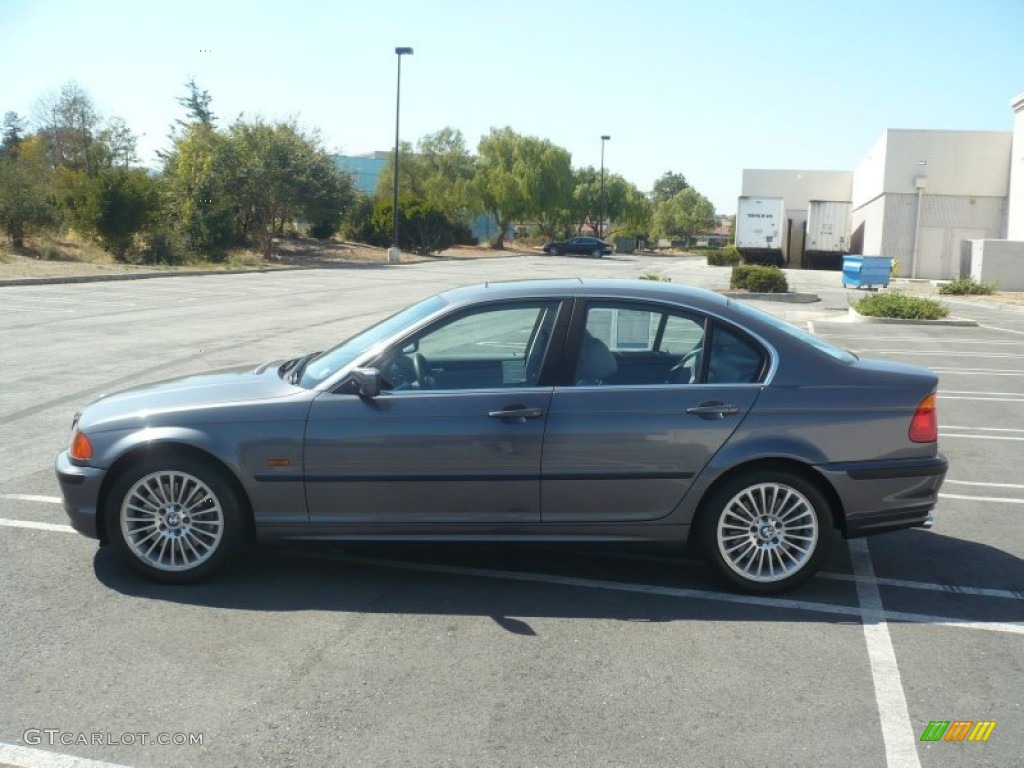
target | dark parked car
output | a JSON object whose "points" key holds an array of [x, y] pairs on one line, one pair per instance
{"points": [[586, 246], [592, 410]]}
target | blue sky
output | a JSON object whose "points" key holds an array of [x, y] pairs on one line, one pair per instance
{"points": [[702, 88]]}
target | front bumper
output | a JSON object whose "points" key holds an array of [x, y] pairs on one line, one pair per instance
{"points": [[80, 487], [882, 496]]}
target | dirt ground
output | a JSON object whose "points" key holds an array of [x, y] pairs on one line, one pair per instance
{"points": [[69, 259]]}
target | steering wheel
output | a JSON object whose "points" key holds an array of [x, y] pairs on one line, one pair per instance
{"points": [[688, 363], [422, 368]]}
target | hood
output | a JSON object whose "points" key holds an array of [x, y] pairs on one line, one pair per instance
{"points": [[221, 388]]}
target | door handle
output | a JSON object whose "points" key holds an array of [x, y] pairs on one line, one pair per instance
{"points": [[517, 413], [713, 409]]}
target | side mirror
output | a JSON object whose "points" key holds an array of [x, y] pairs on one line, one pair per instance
{"points": [[367, 381]]}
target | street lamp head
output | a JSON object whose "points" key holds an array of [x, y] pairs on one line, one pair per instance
{"points": [[605, 138], [403, 50]]}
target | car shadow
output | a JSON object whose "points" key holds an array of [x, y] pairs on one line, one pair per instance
{"points": [[623, 583]]}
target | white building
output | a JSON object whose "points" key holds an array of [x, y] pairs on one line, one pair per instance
{"points": [[944, 203]]}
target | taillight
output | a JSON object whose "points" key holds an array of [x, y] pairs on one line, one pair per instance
{"points": [[924, 427], [81, 448]]}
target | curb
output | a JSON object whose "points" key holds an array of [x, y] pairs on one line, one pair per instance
{"points": [[792, 298], [853, 316]]}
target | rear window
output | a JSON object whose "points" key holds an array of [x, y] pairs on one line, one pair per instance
{"points": [[797, 333]]}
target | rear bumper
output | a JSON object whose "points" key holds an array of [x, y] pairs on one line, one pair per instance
{"points": [[881, 496], [80, 487]]}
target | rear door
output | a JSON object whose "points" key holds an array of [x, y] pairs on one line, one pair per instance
{"points": [[643, 411]]}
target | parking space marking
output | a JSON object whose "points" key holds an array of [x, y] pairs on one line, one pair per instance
{"points": [[984, 399], [893, 714], [926, 586], [683, 592], [1004, 330], [993, 499], [979, 371], [26, 757], [944, 435], [988, 429], [947, 481], [31, 497], [36, 526], [977, 392]]}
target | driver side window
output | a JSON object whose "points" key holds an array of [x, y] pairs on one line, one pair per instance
{"points": [[493, 347]]}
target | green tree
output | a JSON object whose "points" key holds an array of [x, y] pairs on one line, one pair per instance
{"points": [[522, 178], [119, 204], [683, 215], [70, 121], [274, 172], [591, 207], [196, 196], [668, 186], [13, 134], [25, 201], [197, 106]]}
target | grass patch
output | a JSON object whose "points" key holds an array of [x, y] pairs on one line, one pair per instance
{"points": [[897, 304], [967, 286], [656, 277]]}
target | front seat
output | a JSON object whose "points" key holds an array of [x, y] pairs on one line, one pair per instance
{"points": [[596, 364]]}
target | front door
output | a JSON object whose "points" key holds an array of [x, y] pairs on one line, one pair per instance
{"points": [[456, 435]]}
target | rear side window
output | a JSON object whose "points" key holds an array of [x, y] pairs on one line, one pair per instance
{"points": [[735, 358]]}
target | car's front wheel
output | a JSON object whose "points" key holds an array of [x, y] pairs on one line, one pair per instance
{"points": [[552, 251], [766, 532], [173, 520]]}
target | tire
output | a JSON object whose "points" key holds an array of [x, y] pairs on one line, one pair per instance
{"points": [[184, 520], [553, 251], [766, 514], [596, 253]]}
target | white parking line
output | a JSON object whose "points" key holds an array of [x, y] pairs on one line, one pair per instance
{"points": [[897, 731], [981, 394], [986, 429], [984, 399], [993, 499], [31, 497], [1004, 330], [944, 435], [947, 481], [36, 526], [692, 594], [26, 757]]}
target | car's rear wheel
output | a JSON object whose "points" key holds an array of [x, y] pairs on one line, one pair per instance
{"points": [[596, 253], [173, 520], [767, 531]]}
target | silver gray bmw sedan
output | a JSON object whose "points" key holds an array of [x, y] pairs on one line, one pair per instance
{"points": [[569, 410]]}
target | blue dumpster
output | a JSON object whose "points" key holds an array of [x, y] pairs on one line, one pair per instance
{"points": [[862, 271]]}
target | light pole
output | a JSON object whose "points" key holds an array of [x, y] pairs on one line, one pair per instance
{"points": [[600, 217], [395, 255]]}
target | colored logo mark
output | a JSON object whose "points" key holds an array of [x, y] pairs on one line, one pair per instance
{"points": [[206, 50], [958, 730]]}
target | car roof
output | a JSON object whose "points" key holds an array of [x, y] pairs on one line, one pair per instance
{"points": [[587, 288]]}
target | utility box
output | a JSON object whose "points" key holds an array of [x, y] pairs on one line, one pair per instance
{"points": [[828, 234], [761, 235], [863, 271]]}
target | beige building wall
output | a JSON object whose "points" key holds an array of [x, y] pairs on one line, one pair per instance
{"points": [[1015, 203]]}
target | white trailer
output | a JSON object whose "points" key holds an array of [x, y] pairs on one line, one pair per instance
{"points": [[761, 230], [828, 234]]}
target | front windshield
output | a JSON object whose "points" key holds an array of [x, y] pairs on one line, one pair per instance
{"points": [[788, 328], [333, 360]]}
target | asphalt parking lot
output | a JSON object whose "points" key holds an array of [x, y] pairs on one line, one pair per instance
{"points": [[498, 656]]}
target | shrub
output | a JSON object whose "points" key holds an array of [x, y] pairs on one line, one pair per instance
{"points": [[899, 305], [725, 257], [966, 286], [323, 230], [758, 278], [164, 246]]}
